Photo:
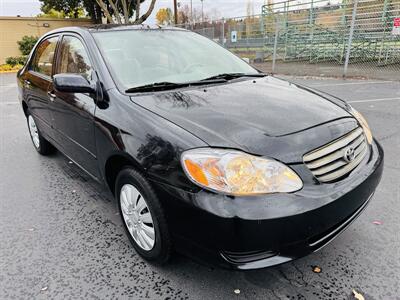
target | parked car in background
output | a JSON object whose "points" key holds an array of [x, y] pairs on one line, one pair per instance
{"points": [[203, 153]]}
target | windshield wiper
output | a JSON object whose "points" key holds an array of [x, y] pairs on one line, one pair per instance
{"points": [[230, 76], [154, 87], [164, 86]]}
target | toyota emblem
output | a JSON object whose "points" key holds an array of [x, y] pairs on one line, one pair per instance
{"points": [[349, 154]]}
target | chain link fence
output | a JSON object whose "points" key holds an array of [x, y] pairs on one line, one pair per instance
{"points": [[350, 38]]}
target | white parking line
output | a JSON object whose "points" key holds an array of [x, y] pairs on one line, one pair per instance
{"points": [[351, 83], [8, 103], [8, 85], [374, 100]]}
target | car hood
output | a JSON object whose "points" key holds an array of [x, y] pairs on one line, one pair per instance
{"points": [[245, 114]]}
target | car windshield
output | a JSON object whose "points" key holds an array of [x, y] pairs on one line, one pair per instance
{"points": [[144, 57]]}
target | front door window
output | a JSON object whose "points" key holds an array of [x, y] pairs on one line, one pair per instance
{"points": [[74, 58]]}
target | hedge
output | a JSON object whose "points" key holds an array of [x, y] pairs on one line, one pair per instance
{"points": [[15, 60], [26, 44]]}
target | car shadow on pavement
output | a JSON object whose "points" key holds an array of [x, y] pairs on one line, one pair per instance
{"points": [[294, 278]]}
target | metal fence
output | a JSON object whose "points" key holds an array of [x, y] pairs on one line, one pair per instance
{"points": [[350, 38]]}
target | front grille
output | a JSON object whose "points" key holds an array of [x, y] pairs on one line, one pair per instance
{"points": [[338, 158]]}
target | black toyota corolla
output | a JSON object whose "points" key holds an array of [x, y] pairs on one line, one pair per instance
{"points": [[204, 154]]}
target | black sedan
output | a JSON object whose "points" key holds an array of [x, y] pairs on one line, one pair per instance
{"points": [[204, 154]]}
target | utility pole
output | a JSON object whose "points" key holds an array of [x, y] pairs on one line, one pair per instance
{"points": [[202, 11], [191, 11], [176, 12]]}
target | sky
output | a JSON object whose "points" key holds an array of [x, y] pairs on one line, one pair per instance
{"points": [[225, 8]]}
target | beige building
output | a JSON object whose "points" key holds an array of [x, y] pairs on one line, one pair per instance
{"points": [[12, 29]]}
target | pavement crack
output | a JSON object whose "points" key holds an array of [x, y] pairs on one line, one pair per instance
{"points": [[389, 136], [392, 167], [276, 295], [301, 274], [291, 281]]}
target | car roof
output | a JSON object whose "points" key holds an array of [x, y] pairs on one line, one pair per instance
{"points": [[110, 27], [113, 27]]}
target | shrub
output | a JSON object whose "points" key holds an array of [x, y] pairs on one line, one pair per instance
{"points": [[15, 60], [26, 44], [7, 68]]}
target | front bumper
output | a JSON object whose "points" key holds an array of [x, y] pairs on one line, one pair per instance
{"points": [[261, 231]]}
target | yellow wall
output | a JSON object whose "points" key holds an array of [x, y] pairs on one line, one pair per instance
{"points": [[12, 29]]}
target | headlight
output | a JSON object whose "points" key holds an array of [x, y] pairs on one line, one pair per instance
{"points": [[237, 173], [360, 118]]}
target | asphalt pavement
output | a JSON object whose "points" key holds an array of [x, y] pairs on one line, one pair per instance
{"points": [[61, 236]]}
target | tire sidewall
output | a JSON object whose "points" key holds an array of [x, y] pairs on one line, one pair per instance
{"points": [[45, 147]]}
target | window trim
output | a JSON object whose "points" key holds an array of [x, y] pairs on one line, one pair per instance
{"points": [[58, 61], [44, 76]]}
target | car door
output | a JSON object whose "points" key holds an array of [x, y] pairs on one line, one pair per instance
{"points": [[73, 113], [37, 81]]}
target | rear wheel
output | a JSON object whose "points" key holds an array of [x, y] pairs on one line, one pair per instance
{"points": [[143, 217], [40, 143]]}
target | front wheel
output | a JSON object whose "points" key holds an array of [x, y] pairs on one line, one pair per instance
{"points": [[40, 143], [143, 217]]}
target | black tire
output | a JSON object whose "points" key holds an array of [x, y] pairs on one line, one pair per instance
{"points": [[42, 146], [161, 251]]}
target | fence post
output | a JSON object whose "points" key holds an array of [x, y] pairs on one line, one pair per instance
{"points": [[223, 32], [351, 33], [311, 27], [275, 46]]}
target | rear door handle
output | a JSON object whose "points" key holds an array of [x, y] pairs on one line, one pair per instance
{"points": [[52, 96]]}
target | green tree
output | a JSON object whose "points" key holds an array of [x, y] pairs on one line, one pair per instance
{"points": [[52, 13], [26, 44], [68, 7], [116, 11]]}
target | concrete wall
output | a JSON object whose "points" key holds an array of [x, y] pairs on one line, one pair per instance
{"points": [[12, 29]]}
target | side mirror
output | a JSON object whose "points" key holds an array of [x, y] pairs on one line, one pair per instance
{"points": [[72, 83]]}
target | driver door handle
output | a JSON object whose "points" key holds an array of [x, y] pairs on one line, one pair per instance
{"points": [[52, 96]]}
